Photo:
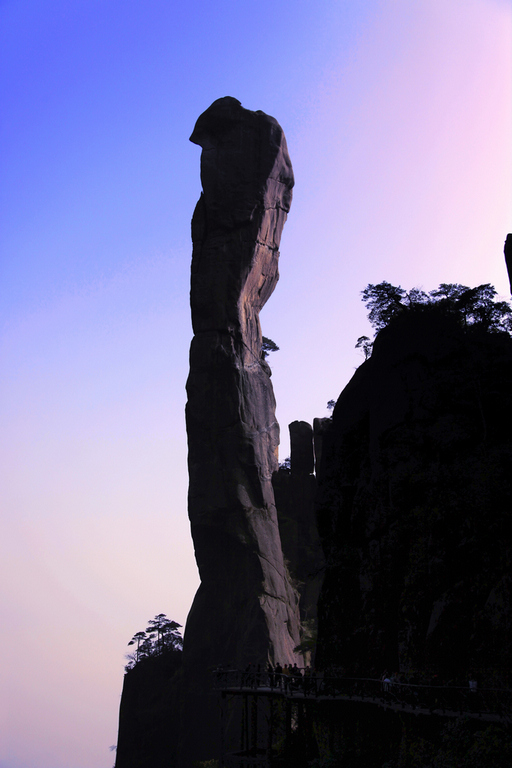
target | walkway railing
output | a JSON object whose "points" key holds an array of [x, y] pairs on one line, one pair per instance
{"points": [[488, 703]]}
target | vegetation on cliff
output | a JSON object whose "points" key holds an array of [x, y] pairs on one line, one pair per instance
{"points": [[160, 636], [474, 309]]}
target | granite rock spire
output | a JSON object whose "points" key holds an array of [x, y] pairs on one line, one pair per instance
{"points": [[246, 610]]}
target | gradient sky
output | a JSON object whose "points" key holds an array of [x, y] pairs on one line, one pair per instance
{"points": [[398, 120]]}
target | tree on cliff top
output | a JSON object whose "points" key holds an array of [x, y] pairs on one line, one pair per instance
{"points": [[162, 635], [473, 307], [383, 302]]}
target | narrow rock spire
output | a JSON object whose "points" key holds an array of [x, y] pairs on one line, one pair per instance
{"points": [[246, 610]]}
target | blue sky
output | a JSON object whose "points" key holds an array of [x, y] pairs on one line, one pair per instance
{"points": [[398, 121]]}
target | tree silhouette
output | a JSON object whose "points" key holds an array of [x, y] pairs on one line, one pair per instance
{"points": [[472, 307], [171, 637], [267, 345], [154, 629], [384, 301], [161, 636], [366, 345], [138, 638]]}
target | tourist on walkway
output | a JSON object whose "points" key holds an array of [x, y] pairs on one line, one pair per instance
{"points": [[279, 675], [287, 677]]}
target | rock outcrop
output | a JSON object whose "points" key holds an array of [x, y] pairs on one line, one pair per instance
{"points": [[414, 505], [149, 722], [295, 491], [508, 258], [245, 610]]}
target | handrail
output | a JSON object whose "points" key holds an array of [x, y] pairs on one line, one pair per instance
{"points": [[432, 698]]}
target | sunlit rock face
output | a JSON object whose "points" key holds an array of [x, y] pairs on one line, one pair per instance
{"points": [[414, 504], [245, 609]]}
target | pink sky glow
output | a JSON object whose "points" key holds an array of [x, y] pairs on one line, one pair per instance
{"points": [[398, 117]]}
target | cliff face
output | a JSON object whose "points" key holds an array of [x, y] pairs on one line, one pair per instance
{"points": [[414, 503], [149, 726]]}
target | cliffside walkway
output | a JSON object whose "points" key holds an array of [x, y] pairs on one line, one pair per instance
{"points": [[486, 704], [259, 709]]}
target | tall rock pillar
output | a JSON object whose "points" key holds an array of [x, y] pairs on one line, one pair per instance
{"points": [[245, 609]]}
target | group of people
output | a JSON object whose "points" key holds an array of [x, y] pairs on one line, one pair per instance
{"points": [[288, 677]]}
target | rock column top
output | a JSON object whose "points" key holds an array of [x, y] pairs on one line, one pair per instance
{"points": [[245, 165], [247, 181]]}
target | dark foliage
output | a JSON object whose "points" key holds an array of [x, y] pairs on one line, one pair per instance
{"points": [[161, 635], [472, 307], [267, 345]]}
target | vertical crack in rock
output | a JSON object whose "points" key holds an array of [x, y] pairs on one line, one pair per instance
{"points": [[245, 609]]}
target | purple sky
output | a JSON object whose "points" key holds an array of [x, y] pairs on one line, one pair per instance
{"points": [[398, 117]]}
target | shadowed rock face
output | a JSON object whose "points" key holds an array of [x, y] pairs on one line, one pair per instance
{"points": [[295, 491], [508, 258], [245, 609], [414, 499]]}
